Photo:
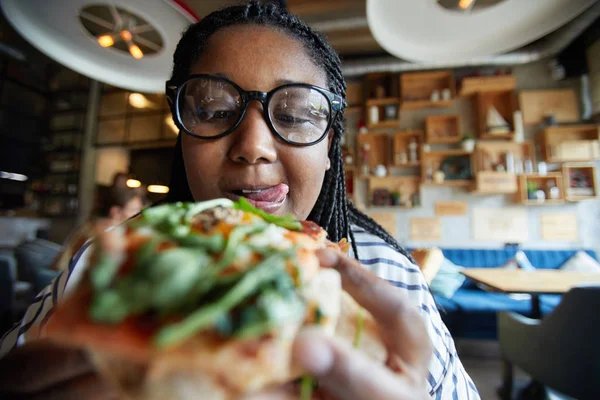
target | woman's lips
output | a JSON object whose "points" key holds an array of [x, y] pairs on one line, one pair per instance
{"points": [[269, 199]]}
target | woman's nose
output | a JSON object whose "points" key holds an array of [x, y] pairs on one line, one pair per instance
{"points": [[253, 142]]}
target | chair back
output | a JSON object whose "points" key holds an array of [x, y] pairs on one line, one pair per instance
{"points": [[33, 256], [571, 332], [8, 276]]}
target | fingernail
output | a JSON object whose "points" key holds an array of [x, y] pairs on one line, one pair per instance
{"points": [[327, 258], [313, 352]]}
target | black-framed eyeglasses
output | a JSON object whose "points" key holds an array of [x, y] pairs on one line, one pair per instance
{"points": [[210, 107]]}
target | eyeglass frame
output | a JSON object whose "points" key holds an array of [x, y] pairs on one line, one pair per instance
{"points": [[335, 101]]}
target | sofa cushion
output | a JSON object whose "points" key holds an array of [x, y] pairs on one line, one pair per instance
{"points": [[447, 280], [474, 300], [581, 262]]}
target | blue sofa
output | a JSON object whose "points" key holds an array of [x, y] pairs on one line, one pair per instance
{"points": [[471, 312]]}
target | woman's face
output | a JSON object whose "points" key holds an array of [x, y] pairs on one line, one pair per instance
{"points": [[286, 179]]}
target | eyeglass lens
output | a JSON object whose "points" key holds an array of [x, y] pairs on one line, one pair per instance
{"points": [[210, 107]]}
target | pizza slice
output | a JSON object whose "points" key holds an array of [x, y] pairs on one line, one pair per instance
{"points": [[204, 300]]}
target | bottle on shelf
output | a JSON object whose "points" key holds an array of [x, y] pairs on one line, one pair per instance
{"points": [[528, 165], [412, 148], [374, 114]]}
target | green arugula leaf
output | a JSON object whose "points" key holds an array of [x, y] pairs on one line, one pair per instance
{"points": [[287, 221]]}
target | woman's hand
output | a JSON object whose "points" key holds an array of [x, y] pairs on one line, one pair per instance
{"points": [[42, 370], [350, 375]]}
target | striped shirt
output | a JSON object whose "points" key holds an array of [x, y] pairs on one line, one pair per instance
{"points": [[447, 378]]}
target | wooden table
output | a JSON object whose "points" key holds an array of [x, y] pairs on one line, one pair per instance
{"points": [[531, 282]]}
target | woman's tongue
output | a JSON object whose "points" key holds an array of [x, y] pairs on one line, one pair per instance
{"points": [[266, 197]]}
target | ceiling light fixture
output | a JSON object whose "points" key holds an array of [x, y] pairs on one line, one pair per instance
{"points": [[162, 189], [133, 183], [106, 40], [121, 30]]}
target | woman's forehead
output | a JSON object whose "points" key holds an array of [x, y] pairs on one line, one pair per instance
{"points": [[258, 58]]}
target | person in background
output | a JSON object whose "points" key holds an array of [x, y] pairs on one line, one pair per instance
{"points": [[119, 204]]}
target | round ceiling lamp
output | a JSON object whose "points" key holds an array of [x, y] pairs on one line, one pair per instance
{"points": [[460, 30], [124, 43]]}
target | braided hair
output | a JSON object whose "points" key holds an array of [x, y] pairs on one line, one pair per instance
{"points": [[332, 211]]}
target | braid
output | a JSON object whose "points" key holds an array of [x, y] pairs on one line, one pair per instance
{"points": [[332, 210]]}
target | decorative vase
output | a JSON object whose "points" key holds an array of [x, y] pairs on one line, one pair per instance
{"points": [[468, 145], [380, 171], [438, 176]]}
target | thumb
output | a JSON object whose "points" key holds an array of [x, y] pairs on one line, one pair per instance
{"points": [[346, 373]]}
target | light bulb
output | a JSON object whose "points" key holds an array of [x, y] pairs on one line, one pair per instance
{"points": [[126, 35], [158, 189], [464, 4], [133, 183], [135, 51], [106, 40]]}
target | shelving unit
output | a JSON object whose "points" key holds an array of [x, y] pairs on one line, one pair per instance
{"points": [[486, 158], [379, 152], [402, 141], [541, 182], [442, 129], [504, 102], [435, 161], [408, 186], [580, 182], [416, 89], [382, 105], [570, 143], [476, 84]]}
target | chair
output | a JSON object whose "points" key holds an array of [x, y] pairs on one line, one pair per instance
{"points": [[35, 256], [562, 351]]}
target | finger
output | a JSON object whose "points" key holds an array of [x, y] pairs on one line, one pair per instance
{"points": [[347, 373], [402, 327], [40, 364]]}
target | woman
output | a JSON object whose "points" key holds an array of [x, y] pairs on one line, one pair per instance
{"points": [[282, 152]]}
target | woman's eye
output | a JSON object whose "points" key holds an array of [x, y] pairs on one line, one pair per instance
{"points": [[290, 119], [208, 114]]}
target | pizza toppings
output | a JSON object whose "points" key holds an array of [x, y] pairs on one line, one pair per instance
{"points": [[218, 266]]}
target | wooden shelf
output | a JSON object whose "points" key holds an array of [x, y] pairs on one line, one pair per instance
{"points": [[504, 102], [475, 84], [406, 185], [416, 89], [580, 182], [450, 183], [562, 104], [542, 182], [384, 124], [380, 149], [492, 182], [442, 129], [401, 145], [381, 85], [542, 203], [354, 93], [383, 102], [570, 143], [446, 153], [407, 164], [492, 136], [489, 153], [422, 104]]}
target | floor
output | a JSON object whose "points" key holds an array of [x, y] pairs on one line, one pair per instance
{"points": [[482, 361]]}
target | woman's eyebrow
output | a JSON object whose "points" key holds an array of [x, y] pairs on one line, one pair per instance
{"points": [[280, 82]]}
